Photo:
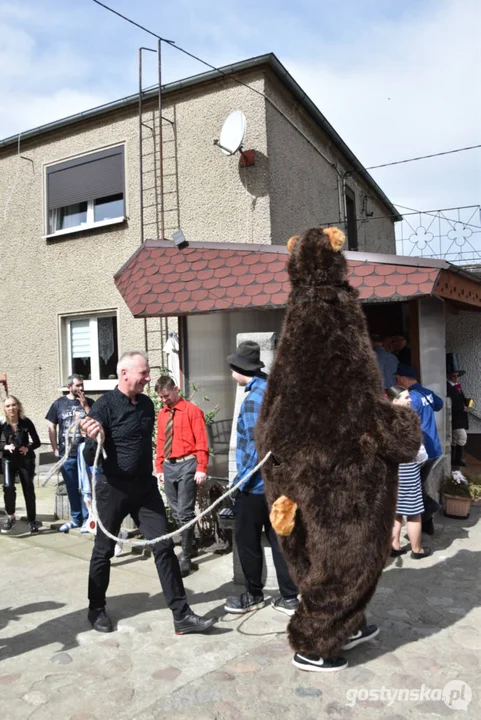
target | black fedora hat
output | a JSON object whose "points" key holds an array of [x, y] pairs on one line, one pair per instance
{"points": [[452, 364], [247, 357]]}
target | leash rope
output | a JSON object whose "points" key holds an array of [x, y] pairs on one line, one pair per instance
{"points": [[94, 518]]}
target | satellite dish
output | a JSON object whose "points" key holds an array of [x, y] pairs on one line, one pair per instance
{"points": [[232, 133]]}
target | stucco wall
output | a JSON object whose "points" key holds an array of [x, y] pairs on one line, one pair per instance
{"points": [[463, 336], [305, 189], [207, 194]]}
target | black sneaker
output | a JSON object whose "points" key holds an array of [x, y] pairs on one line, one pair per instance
{"points": [[244, 604], [367, 633], [193, 623], [8, 524], [313, 663], [33, 527], [288, 606], [100, 620]]}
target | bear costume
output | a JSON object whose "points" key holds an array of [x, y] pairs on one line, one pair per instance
{"points": [[336, 443]]}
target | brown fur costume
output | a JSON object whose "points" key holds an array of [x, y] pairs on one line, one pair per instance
{"points": [[336, 445]]}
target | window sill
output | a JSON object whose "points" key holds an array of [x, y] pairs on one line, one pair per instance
{"points": [[96, 385], [84, 228]]}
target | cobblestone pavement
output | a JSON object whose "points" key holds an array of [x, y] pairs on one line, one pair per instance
{"points": [[424, 663]]}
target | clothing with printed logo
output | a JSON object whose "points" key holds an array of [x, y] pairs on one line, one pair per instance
{"points": [[62, 413], [425, 402]]}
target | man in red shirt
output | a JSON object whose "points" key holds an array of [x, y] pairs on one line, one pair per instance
{"points": [[181, 458]]}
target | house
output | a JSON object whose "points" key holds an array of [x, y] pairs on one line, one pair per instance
{"points": [[72, 193]]}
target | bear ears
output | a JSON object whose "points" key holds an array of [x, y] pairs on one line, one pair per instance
{"points": [[335, 236]]}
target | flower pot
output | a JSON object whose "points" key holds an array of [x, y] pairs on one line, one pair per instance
{"points": [[455, 506]]}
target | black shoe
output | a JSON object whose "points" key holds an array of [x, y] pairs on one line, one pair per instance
{"points": [[244, 604], [100, 620], [367, 633], [288, 606], [193, 624], [313, 663], [428, 526], [463, 464], [397, 553], [424, 554], [185, 566], [8, 524], [33, 527]]}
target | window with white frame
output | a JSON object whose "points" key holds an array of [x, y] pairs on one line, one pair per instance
{"points": [[86, 192], [91, 346]]}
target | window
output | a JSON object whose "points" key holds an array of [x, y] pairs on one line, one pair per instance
{"points": [[351, 219], [91, 346], [86, 192]]}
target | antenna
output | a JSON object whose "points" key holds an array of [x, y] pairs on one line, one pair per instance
{"points": [[232, 133]]}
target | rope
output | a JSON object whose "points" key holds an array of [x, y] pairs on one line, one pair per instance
{"points": [[94, 518]]}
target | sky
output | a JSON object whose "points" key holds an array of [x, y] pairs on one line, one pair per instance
{"points": [[396, 78]]}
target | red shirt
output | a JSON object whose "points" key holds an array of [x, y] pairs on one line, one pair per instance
{"points": [[190, 434]]}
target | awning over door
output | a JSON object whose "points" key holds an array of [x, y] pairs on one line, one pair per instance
{"points": [[161, 280]]}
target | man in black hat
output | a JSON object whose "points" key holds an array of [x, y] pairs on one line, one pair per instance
{"points": [[459, 410], [251, 510]]}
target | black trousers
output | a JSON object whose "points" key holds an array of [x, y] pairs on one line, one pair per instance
{"points": [[430, 505], [251, 517], [26, 471], [142, 500]]}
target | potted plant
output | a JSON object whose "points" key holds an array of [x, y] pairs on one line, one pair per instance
{"points": [[456, 495]]}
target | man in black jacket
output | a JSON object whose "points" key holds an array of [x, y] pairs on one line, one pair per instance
{"points": [[459, 410], [124, 419]]}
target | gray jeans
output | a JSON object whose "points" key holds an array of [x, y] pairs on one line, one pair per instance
{"points": [[181, 489]]}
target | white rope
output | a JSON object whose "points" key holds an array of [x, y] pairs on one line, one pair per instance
{"points": [[94, 516], [69, 437]]}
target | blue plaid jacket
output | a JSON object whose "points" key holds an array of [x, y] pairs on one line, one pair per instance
{"points": [[246, 454]]}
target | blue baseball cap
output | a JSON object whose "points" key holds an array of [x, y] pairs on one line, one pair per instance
{"points": [[406, 371]]}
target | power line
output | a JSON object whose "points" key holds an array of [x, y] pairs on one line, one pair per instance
{"points": [[292, 123], [230, 77], [422, 157]]}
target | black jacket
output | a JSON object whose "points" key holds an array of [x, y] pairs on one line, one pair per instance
{"points": [[25, 436], [459, 416]]}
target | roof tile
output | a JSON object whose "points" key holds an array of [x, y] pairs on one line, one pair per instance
{"points": [[168, 281]]}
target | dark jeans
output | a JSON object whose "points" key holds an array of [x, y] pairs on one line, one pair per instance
{"points": [[78, 509], [26, 471], [181, 489], [251, 517], [141, 499]]}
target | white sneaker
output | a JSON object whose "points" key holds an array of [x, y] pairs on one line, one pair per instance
{"points": [[123, 535]]}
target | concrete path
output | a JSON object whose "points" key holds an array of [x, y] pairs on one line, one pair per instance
{"points": [[425, 662]]}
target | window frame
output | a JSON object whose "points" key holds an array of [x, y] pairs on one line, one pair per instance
{"points": [[351, 222], [95, 384], [91, 224]]}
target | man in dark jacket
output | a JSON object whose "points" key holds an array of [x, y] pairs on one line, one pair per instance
{"points": [[459, 410]]}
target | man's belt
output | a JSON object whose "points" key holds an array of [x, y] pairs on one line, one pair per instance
{"points": [[172, 461]]}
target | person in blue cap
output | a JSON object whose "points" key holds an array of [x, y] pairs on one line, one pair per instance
{"points": [[425, 402]]}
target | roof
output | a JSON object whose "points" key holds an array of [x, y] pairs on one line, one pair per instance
{"points": [[269, 60], [161, 280]]}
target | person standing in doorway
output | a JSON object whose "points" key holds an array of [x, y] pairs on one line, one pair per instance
{"points": [[386, 360], [251, 511], [60, 416], [459, 410], [425, 402], [18, 442], [181, 458], [124, 420]]}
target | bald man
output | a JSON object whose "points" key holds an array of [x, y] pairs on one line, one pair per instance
{"points": [[124, 419]]}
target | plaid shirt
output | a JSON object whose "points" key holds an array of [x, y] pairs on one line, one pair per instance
{"points": [[246, 453]]}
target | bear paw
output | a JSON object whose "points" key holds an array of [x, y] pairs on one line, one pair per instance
{"points": [[282, 515]]}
